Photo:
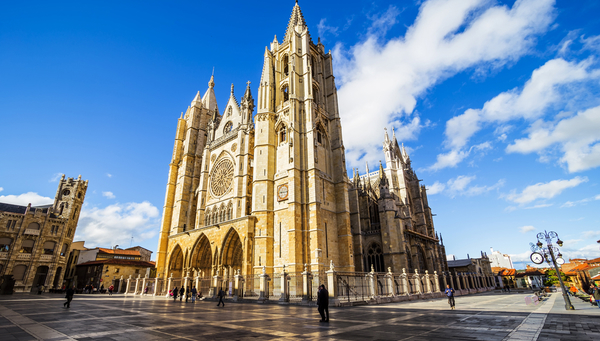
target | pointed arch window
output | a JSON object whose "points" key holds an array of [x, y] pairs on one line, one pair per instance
{"points": [[286, 65], [313, 66], [374, 257], [319, 137], [282, 135], [285, 93]]}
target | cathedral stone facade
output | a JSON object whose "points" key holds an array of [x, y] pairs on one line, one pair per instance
{"points": [[251, 192]]}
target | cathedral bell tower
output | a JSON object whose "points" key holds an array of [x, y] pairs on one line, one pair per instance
{"points": [[300, 195]]}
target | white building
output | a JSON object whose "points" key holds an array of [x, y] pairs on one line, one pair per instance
{"points": [[500, 260]]}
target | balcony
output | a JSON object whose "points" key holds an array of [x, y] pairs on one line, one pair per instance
{"points": [[24, 256], [3, 255], [46, 258], [32, 232]]}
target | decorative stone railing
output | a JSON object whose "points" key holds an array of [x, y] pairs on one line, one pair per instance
{"points": [[3, 255], [46, 258], [32, 232], [23, 256]]}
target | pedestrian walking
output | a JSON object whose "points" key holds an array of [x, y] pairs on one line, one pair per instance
{"points": [[69, 297], [181, 292], [110, 290], [174, 293], [102, 289], [146, 291], [323, 303], [187, 294], [221, 295], [450, 293], [194, 293], [40, 289]]}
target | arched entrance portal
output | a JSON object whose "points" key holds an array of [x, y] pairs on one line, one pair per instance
{"points": [[201, 260], [176, 263], [233, 254]]}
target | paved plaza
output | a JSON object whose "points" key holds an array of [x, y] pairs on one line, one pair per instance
{"points": [[488, 316]]}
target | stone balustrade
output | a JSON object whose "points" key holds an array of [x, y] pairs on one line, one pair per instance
{"points": [[32, 232]]}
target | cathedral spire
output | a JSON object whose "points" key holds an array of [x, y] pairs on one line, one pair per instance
{"points": [[209, 100], [197, 101], [296, 19], [386, 138]]}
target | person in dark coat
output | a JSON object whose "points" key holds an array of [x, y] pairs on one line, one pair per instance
{"points": [[69, 297], [187, 294], [323, 303], [181, 292], [174, 292], [221, 295]]}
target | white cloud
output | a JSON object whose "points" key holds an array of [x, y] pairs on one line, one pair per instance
{"points": [[436, 188], [26, 198], [109, 195], [1, 189], [549, 84], [582, 201], [109, 175], [460, 186], [544, 190], [325, 29], [447, 37], [591, 234], [115, 224], [577, 137], [527, 228], [55, 177]]}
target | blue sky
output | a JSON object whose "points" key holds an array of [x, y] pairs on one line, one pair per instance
{"points": [[496, 101]]}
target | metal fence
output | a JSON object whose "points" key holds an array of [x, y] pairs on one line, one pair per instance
{"points": [[316, 280], [352, 286]]}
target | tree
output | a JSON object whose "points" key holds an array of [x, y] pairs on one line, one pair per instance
{"points": [[552, 278]]}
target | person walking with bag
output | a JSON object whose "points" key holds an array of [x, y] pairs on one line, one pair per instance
{"points": [[323, 303], [174, 293], [181, 292], [450, 293]]}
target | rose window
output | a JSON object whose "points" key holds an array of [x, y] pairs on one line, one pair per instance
{"points": [[221, 177]]}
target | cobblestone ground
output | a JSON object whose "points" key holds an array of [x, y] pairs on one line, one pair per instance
{"points": [[490, 316]]}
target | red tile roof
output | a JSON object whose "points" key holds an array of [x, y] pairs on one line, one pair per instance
{"points": [[120, 252], [120, 262]]}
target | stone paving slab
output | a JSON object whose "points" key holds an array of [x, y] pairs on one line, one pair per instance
{"points": [[486, 316]]}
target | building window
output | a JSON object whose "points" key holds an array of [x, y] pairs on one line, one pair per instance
{"points": [[319, 138], [286, 96], [228, 127], [49, 248], [282, 135], [286, 66], [63, 251], [27, 246], [5, 244], [374, 258], [137, 271]]}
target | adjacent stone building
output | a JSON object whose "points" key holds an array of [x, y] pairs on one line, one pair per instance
{"points": [[256, 196], [34, 241]]}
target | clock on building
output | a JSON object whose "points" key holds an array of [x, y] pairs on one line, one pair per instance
{"points": [[282, 192]]}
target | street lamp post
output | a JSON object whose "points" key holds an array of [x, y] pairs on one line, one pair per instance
{"points": [[548, 253]]}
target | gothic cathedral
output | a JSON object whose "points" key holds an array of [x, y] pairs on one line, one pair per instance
{"points": [[248, 192]]}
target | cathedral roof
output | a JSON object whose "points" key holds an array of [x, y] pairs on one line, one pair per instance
{"points": [[295, 19]]}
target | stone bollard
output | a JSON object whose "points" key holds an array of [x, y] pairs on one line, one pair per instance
{"points": [[264, 286], [237, 283], [214, 289], [427, 282], [186, 280], [128, 285], [417, 280], [389, 278], [332, 285], [372, 280], [156, 284], [436, 281], [137, 281], [306, 287], [169, 282], [284, 287], [404, 280], [120, 284], [143, 289]]}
